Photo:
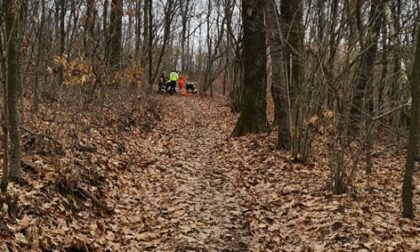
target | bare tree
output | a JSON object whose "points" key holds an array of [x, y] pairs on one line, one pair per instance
{"points": [[407, 190], [61, 5], [39, 58], [185, 9], [292, 14], [115, 34], [11, 11], [279, 87], [214, 51], [4, 125], [253, 117]]}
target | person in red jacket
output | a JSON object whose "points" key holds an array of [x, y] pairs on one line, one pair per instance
{"points": [[181, 82]]}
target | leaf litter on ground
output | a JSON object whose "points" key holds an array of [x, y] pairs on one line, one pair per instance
{"points": [[185, 185]]}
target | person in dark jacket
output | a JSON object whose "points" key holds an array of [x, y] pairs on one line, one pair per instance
{"points": [[162, 83]]}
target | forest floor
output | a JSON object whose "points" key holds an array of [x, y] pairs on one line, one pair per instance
{"points": [[186, 185]]}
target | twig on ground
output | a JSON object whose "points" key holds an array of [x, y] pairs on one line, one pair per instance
{"points": [[95, 201], [39, 134]]}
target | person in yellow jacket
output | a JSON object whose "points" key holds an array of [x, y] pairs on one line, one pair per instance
{"points": [[173, 77]]}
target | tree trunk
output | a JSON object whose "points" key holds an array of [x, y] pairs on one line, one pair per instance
{"points": [[3, 81], [138, 32], [333, 45], [364, 79], [105, 30], [291, 14], [62, 39], [384, 72], [12, 88], [39, 55], [115, 34], [293, 35], [253, 117], [185, 12], [145, 33], [150, 48], [392, 11], [89, 27], [169, 12], [407, 188], [279, 88]]}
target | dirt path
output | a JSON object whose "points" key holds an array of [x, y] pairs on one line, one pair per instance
{"points": [[188, 186], [194, 201], [201, 190]]}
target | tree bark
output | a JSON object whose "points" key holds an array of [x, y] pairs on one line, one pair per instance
{"points": [[3, 81], [62, 39], [38, 59], [384, 73], [253, 117], [138, 32], [10, 10], [150, 48], [185, 5], [407, 188], [105, 30], [291, 14], [115, 34], [279, 88], [89, 27], [293, 35]]}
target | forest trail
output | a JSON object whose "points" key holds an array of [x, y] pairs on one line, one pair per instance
{"points": [[186, 185], [201, 190], [196, 198]]}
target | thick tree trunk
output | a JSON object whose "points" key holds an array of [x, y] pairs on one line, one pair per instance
{"points": [[3, 82], [253, 117], [293, 35], [279, 87], [115, 34], [407, 188], [291, 14], [12, 88], [89, 27]]}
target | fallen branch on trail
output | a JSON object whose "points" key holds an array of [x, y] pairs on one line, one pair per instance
{"points": [[84, 147], [39, 135], [95, 200], [74, 197]]}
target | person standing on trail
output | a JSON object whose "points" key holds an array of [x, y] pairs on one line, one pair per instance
{"points": [[173, 76], [181, 82], [162, 83]]}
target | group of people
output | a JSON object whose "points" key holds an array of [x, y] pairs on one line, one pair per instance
{"points": [[169, 85]]}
